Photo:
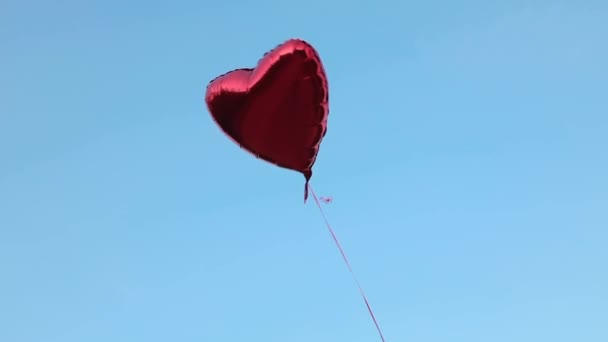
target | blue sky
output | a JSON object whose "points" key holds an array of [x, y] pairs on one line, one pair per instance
{"points": [[466, 155]]}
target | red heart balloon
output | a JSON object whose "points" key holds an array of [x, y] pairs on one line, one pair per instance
{"points": [[278, 110]]}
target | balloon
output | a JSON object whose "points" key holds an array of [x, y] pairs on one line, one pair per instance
{"points": [[278, 110]]}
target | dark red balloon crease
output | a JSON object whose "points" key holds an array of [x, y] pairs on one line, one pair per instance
{"points": [[333, 235]]}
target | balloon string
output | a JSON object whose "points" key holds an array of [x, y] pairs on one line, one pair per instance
{"points": [[333, 235]]}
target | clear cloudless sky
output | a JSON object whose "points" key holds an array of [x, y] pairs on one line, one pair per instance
{"points": [[467, 156]]}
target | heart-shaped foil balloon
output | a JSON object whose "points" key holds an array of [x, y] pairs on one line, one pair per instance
{"points": [[278, 110]]}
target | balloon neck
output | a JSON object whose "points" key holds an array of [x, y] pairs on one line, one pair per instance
{"points": [[307, 175]]}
